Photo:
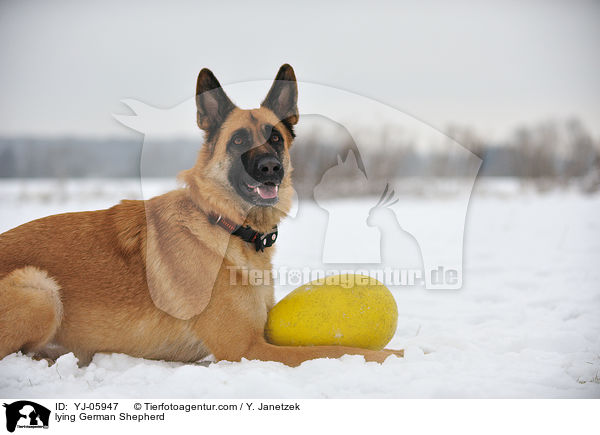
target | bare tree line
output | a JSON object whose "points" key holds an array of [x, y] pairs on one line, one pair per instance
{"points": [[547, 155]]}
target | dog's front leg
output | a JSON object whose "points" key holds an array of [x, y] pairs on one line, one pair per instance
{"points": [[233, 344], [230, 331], [296, 355]]}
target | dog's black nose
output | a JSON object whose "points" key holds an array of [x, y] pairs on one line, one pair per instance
{"points": [[269, 165]]}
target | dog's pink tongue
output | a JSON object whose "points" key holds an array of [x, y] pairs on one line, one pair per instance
{"points": [[267, 192]]}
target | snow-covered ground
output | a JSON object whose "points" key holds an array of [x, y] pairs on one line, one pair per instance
{"points": [[525, 324]]}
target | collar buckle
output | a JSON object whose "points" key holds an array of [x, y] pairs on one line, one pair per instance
{"points": [[246, 233]]}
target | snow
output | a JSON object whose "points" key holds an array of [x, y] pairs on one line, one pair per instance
{"points": [[525, 324]]}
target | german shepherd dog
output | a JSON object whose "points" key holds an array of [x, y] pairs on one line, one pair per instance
{"points": [[152, 279]]}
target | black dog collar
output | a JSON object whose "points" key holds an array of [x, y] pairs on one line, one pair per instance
{"points": [[246, 233]]}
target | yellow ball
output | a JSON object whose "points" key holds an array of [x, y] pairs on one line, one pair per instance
{"points": [[346, 310]]}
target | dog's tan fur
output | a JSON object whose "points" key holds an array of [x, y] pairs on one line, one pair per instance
{"points": [[151, 278]]}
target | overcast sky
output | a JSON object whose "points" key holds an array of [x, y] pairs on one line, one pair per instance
{"points": [[66, 65]]}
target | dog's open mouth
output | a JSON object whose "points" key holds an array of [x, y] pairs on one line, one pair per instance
{"points": [[266, 190]]}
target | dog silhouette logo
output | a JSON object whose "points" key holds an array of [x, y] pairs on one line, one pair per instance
{"points": [[26, 414], [404, 235]]}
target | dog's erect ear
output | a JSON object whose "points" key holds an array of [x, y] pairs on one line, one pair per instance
{"points": [[282, 98], [212, 103]]}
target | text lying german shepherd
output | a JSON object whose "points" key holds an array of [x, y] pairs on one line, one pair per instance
{"points": [[152, 278]]}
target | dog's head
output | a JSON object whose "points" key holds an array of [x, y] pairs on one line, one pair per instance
{"points": [[244, 164]]}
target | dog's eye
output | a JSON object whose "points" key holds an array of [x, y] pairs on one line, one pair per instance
{"points": [[238, 140], [275, 138]]}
